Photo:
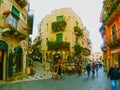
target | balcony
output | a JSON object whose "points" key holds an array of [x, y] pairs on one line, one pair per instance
{"points": [[58, 26], [104, 47], [22, 3], [78, 31], [102, 30], [10, 28], [38, 40], [58, 46], [85, 51], [114, 44], [113, 40], [112, 13]]}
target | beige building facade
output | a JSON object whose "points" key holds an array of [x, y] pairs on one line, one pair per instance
{"points": [[13, 37], [59, 32]]}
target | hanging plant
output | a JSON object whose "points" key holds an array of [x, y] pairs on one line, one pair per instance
{"points": [[58, 26], [78, 31], [52, 45], [115, 43], [78, 49]]}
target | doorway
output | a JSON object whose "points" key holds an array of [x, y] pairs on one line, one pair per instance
{"points": [[1, 64], [119, 60]]}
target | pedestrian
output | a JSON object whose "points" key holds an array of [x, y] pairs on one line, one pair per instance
{"points": [[79, 70], [93, 69], [97, 68], [113, 74], [59, 72], [88, 69]]}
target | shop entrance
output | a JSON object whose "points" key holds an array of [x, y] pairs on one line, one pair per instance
{"points": [[1, 64], [3, 51]]}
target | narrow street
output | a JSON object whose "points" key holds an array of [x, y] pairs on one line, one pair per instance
{"points": [[69, 82]]}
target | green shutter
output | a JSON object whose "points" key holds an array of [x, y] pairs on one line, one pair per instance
{"points": [[15, 12], [59, 37]]}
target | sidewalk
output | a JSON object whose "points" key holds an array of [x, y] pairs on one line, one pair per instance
{"points": [[40, 74]]}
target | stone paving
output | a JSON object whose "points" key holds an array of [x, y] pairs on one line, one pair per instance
{"points": [[39, 72], [70, 82]]}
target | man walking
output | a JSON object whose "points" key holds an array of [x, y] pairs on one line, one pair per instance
{"points": [[114, 76], [88, 68]]}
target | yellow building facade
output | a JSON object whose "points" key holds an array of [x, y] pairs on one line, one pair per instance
{"points": [[13, 37], [59, 32]]}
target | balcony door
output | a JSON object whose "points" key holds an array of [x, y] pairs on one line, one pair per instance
{"points": [[59, 37]]}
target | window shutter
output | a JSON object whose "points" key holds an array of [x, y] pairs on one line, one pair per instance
{"points": [[15, 12]]}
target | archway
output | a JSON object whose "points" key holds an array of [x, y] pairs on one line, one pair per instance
{"points": [[3, 50]]}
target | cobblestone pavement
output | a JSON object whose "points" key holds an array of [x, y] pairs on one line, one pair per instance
{"points": [[70, 82], [39, 72]]}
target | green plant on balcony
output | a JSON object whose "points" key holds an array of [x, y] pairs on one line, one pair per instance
{"points": [[115, 43], [58, 26], [22, 3], [78, 49], [107, 15], [78, 31], [111, 9], [85, 51], [52, 45], [1, 2]]}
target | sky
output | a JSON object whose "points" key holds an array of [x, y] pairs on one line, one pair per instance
{"points": [[88, 10]]}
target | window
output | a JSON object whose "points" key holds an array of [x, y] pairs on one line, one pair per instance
{"points": [[47, 26], [13, 20], [59, 18], [14, 16], [114, 33], [59, 37]]}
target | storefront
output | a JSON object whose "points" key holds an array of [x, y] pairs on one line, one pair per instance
{"points": [[116, 56]]}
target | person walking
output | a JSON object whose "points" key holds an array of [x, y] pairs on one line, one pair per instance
{"points": [[59, 72], [79, 69], [113, 74], [93, 69], [97, 69], [88, 68]]}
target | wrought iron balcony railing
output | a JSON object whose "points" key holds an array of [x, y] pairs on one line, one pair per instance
{"points": [[114, 40], [17, 29], [22, 3]]}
